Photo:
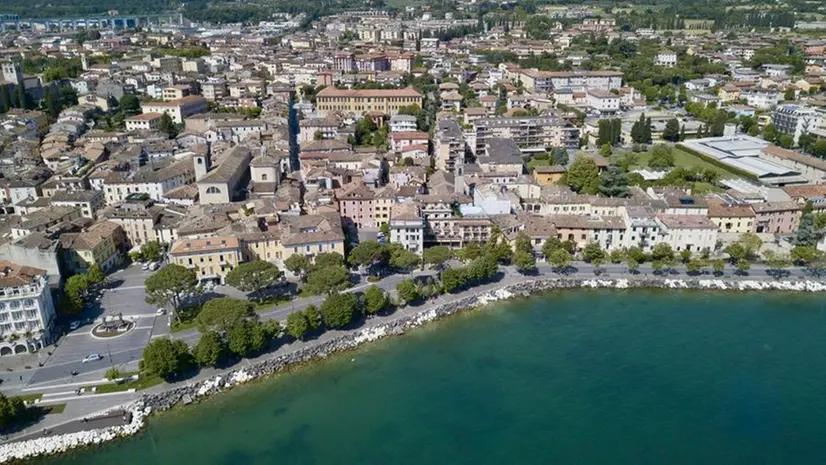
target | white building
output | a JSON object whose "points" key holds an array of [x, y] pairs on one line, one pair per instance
{"points": [[688, 232], [761, 99], [407, 227], [403, 123], [602, 101], [667, 59], [795, 120], [27, 313]]}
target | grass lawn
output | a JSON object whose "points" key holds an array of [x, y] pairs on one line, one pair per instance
{"points": [[187, 319], [53, 409], [143, 382], [30, 397], [270, 302], [534, 163], [681, 159]]}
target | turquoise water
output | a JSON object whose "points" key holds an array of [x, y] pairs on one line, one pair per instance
{"points": [[583, 377]]}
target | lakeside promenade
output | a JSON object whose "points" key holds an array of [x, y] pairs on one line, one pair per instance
{"points": [[83, 406]]}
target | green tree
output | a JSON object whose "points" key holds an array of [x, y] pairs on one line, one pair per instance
{"points": [[696, 265], [438, 255], [718, 127], [375, 300], [167, 126], [254, 276], [170, 286], [246, 337], [751, 243], [95, 275], [369, 254], [685, 256], [452, 279], [50, 104], [164, 357], [807, 234], [632, 265], [408, 291], [112, 374], [471, 251], [210, 349], [74, 291], [5, 98], [522, 243], [403, 259], [662, 251], [789, 95], [614, 182], [12, 411], [328, 279], [152, 251], [129, 105], [313, 317], [672, 130], [661, 157], [560, 259], [743, 266], [718, 266], [592, 251], [297, 264], [524, 261], [770, 133], [637, 254], [583, 175], [327, 260], [222, 312], [297, 325], [550, 245], [616, 256], [338, 310]]}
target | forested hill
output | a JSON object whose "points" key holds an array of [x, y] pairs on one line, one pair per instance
{"points": [[74, 8]]}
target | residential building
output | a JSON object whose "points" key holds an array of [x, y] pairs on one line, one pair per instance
{"points": [[357, 102], [694, 233], [178, 109], [449, 145], [403, 123], [536, 132], [603, 102], [407, 227], [89, 201], [548, 81], [795, 120], [27, 310], [211, 258], [144, 121], [43, 219], [667, 59], [100, 243], [777, 217], [355, 204], [547, 175]]}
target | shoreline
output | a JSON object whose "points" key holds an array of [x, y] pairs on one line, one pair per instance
{"points": [[191, 393]]}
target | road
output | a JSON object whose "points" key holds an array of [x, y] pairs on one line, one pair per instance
{"points": [[128, 295]]}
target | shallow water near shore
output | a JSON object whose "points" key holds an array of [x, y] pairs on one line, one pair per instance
{"points": [[569, 377]]}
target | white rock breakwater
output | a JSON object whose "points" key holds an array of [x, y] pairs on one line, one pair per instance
{"points": [[347, 341]]}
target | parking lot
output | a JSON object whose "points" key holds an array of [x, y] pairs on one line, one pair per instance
{"points": [[125, 294]]}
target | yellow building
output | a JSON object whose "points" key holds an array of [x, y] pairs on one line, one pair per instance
{"points": [[211, 258], [729, 93], [357, 102], [546, 175], [101, 243], [731, 218], [308, 235]]}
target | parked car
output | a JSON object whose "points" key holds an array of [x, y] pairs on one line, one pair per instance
{"points": [[153, 266], [145, 266], [161, 311], [74, 325], [92, 358]]}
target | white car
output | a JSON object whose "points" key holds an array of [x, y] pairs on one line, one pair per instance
{"points": [[153, 266], [92, 358], [145, 266], [161, 311]]}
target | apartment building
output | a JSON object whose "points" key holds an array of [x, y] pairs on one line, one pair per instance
{"points": [[530, 131], [119, 185], [211, 258], [43, 219], [88, 201], [100, 243], [178, 109], [407, 227], [357, 102], [449, 145], [688, 232], [795, 120], [780, 217], [144, 121], [27, 310], [355, 204], [547, 81]]}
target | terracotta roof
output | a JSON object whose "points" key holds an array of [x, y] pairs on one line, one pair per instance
{"points": [[333, 92], [14, 275]]}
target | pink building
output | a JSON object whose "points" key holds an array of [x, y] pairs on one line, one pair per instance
{"points": [[355, 204], [776, 217]]}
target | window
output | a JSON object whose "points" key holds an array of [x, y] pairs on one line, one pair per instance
{"points": [[213, 190], [263, 176]]}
